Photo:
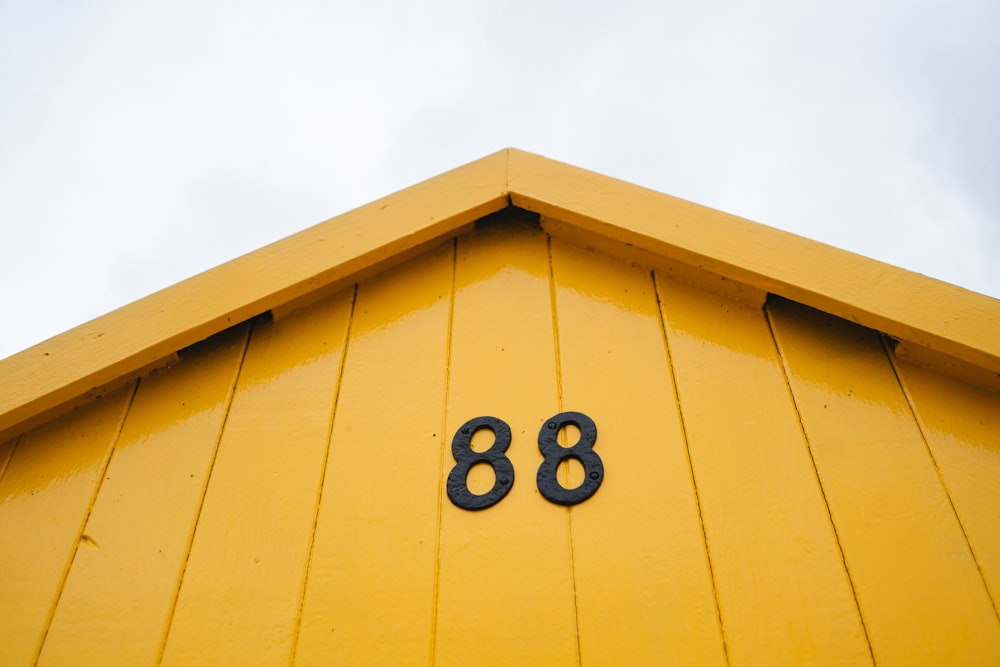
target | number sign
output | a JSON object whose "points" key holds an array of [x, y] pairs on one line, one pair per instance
{"points": [[496, 457]]}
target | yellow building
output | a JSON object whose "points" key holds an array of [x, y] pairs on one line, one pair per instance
{"points": [[755, 449]]}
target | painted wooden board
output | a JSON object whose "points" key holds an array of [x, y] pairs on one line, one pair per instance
{"points": [[921, 593], [645, 594], [46, 495], [505, 580], [325, 256], [6, 452], [784, 594], [116, 600], [241, 591], [776, 489], [961, 425], [578, 203], [906, 305], [370, 593]]}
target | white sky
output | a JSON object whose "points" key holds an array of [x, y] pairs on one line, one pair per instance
{"points": [[143, 142]]}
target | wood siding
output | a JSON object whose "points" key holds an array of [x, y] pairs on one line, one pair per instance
{"points": [[780, 489]]}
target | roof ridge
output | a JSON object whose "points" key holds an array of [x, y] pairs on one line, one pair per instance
{"points": [[946, 319]]}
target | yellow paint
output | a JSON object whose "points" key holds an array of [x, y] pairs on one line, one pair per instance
{"points": [[908, 306], [45, 497], [961, 425], [745, 257], [330, 253], [241, 591], [123, 584], [6, 451], [505, 583], [376, 539], [784, 595], [964, 371], [921, 594], [778, 490], [644, 588]]}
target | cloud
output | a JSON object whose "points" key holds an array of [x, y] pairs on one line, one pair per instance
{"points": [[144, 142]]}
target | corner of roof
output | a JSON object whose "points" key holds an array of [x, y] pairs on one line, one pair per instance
{"points": [[329, 253], [947, 319]]}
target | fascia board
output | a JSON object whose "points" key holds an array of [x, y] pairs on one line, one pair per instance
{"points": [[155, 327], [940, 317], [927, 312]]}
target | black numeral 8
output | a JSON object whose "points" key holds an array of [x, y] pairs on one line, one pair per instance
{"points": [[582, 451], [466, 457]]}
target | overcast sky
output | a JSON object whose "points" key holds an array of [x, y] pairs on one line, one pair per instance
{"points": [[143, 142]]}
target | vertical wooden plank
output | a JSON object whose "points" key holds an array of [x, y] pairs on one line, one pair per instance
{"points": [[505, 582], [644, 588], [114, 606], [242, 586], [784, 594], [962, 426], [370, 589], [6, 452], [45, 497], [921, 594]]}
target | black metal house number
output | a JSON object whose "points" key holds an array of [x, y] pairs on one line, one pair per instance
{"points": [[496, 457]]}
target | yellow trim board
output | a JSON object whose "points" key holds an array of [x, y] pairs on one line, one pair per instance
{"points": [[900, 303], [926, 312], [134, 336]]}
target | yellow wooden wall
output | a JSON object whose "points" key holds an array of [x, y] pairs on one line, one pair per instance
{"points": [[779, 490]]}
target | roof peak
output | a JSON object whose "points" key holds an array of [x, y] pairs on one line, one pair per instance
{"points": [[594, 209]]}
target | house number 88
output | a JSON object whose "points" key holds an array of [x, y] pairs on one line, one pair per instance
{"points": [[503, 470]]}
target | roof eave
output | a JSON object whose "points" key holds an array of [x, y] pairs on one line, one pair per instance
{"points": [[905, 305], [940, 317], [139, 334]]}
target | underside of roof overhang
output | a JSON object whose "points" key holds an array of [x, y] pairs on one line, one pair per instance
{"points": [[931, 322]]}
